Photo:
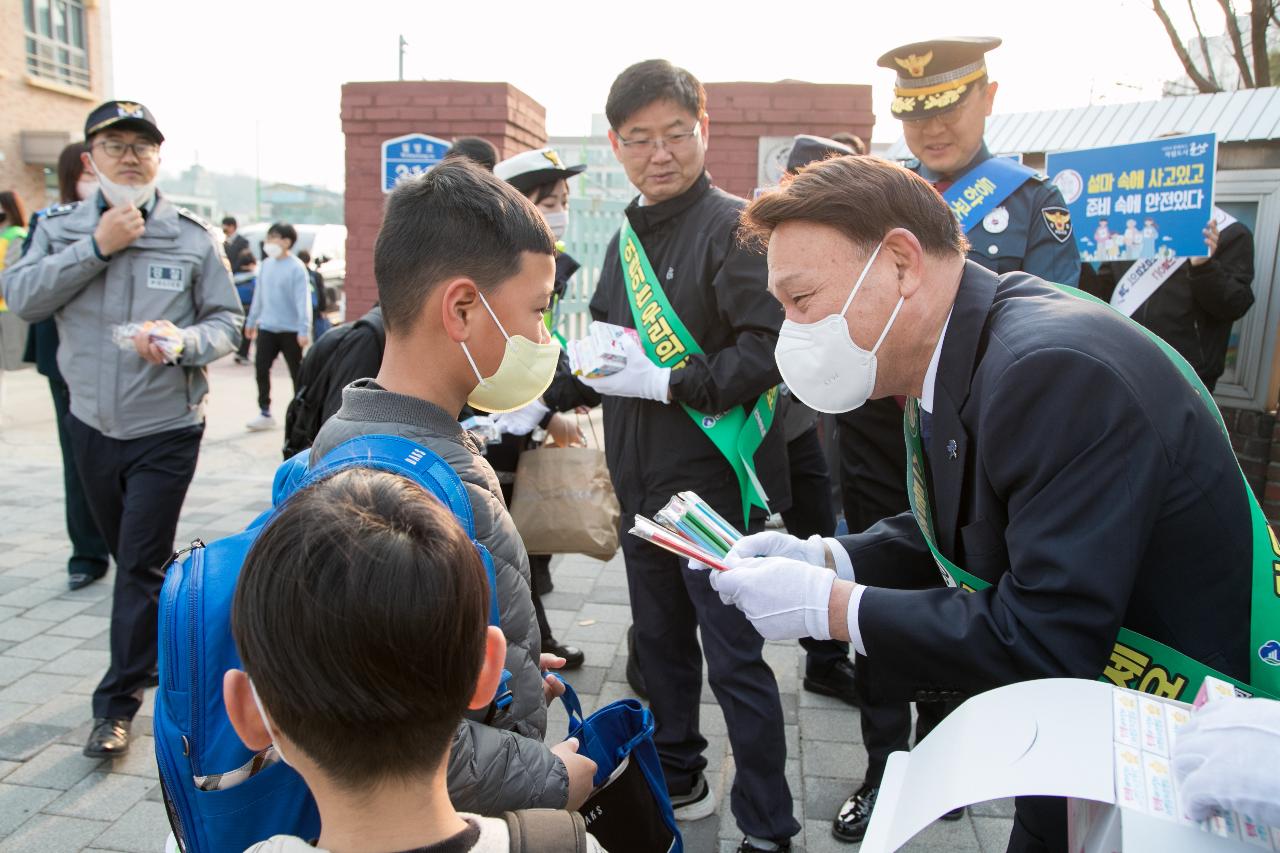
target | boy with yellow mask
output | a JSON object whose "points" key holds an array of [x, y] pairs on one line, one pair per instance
{"points": [[465, 265]]}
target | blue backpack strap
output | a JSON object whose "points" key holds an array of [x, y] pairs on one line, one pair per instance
{"points": [[406, 458]]}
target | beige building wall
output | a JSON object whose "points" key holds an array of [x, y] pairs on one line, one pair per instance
{"points": [[41, 114]]}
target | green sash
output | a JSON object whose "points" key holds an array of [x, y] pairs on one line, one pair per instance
{"points": [[735, 433], [1138, 661]]}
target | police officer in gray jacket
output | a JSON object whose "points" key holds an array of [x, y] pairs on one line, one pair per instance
{"points": [[128, 256]]}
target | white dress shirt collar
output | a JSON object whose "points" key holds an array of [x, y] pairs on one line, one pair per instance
{"points": [[931, 374]]}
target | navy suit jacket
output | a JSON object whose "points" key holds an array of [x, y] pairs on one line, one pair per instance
{"points": [[1089, 485]]}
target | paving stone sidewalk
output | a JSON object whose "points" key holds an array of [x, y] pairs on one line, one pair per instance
{"points": [[53, 652]]}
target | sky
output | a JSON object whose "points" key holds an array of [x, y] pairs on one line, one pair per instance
{"points": [[254, 87]]}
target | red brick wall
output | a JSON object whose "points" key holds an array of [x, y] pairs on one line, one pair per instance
{"points": [[374, 112], [741, 113]]}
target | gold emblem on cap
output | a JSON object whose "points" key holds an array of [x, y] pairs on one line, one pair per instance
{"points": [[551, 155], [914, 65], [128, 109]]}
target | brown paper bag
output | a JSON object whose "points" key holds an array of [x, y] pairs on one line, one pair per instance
{"points": [[563, 502]]}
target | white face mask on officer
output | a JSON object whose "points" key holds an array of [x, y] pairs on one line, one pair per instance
{"points": [[557, 221], [124, 195], [822, 365]]}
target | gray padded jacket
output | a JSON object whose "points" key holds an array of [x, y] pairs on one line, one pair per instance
{"points": [[175, 271], [501, 765]]}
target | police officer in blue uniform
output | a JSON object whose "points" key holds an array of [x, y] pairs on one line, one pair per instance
{"points": [[942, 96]]}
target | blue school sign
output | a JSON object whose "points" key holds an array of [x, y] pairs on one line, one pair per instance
{"points": [[1142, 200], [409, 156]]}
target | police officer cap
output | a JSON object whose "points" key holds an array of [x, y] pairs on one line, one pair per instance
{"points": [[935, 77], [533, 168], [809, 149], [123, 115]]}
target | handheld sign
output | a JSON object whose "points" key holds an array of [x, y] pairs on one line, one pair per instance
{"points": [[1142, 200], [409, 156]]}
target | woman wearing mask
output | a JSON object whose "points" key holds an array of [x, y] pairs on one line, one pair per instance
{"points": [[89, 553], [544, 180]]}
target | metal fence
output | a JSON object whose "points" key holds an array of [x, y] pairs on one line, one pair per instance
{"points": [[593, 223]]}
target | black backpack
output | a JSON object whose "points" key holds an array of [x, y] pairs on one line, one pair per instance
{"points": [[318, 375]]}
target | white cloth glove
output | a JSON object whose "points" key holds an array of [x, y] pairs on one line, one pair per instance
{"points": [[783, 599], [640, 378], [771, 543], [1228, 757], [522, 421]]}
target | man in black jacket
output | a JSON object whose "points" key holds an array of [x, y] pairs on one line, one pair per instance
{"points": [[1104, 496], [1194, 309], [235, 243], [657, 423]]}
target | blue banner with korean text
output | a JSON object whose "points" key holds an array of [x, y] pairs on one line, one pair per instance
{"points": [[1142, 200]]}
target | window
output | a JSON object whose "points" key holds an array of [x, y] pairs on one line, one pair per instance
{"points": [[56, 48], [1253, 197]]}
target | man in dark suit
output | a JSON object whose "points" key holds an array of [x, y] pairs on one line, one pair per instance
{"points": [[1067, 466]]}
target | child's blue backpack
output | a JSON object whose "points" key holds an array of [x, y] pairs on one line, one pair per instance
{"points": [[220, 795]]}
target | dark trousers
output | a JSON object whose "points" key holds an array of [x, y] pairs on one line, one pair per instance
{"points": [[135, 489], [242, 351], [271, 344], [540, 580], [669, 604], [873, 486], [89, 553], [811, 513], [1039, 825]]}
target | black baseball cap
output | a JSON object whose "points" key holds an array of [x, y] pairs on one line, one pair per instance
{"points": [[123, 115], [807, 149]]}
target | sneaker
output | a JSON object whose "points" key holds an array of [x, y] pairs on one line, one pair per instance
{"points": [[242, 360], [748, 846], [699, 802], [263, 421]]}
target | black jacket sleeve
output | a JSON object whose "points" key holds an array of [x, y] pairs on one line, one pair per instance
{"points": [[566, 392], [1223, 286], [740, 373], [1079, 517]]}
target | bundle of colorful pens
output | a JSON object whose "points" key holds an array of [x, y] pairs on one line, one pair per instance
{"points": [[687, 526]]}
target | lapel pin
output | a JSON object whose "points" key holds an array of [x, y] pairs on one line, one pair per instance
{"points": [[951, 448]]}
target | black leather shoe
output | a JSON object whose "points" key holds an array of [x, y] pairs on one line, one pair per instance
{"points": [[573, 656], [634, 676], [954, 814], [109, 738], [79, 580], [850, 824], [837, 681], [747, 847]]}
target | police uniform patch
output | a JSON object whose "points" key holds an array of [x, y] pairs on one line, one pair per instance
{"points": [[1058, 221], [166, 277], [997, 220]]}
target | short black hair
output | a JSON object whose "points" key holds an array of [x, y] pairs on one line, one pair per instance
{"points": [[284, 230], [456, 220], [479, 150], [360, 616], [229, 220], [246, 257], [649, 81], [304, 256]]}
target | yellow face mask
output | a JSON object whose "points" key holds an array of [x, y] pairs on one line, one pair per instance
{"points": [[523, 374]]}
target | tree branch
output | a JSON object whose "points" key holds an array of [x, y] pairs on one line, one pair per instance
{"points": [[1237, 46], [1258, 19], [1187, 65]]}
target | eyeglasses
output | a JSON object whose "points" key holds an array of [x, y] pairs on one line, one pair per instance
{"points": [[142, 150], [672, 142]]}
